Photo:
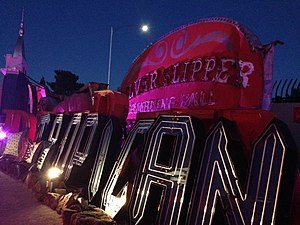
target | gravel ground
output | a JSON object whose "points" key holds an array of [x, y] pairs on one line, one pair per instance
{"points": [[19, 207]]}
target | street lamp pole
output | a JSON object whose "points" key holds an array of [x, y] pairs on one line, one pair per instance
{"points": [[144, 28], [109, 56]]}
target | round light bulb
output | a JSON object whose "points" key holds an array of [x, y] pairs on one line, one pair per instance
{"points": [[145, 28], [54, 172]]}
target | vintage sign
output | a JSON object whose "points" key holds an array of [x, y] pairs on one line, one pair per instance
{"points": [[256, 201], [213, 63], [124, 167], [182, 180], [163, 183]]}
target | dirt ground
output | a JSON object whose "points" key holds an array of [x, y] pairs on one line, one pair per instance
{"points": [[19, 207]]}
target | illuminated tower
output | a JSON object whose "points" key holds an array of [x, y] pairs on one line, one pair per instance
{"points": [[14, 94], [16, 62]]}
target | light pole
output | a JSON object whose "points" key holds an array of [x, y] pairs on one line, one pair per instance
{"points": [[144, 28]]}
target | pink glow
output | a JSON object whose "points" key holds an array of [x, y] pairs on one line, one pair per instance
{"points": [[40, 92], [2, 134], [3, 71]]}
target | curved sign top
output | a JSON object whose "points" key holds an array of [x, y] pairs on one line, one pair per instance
{"points": [[214, 63]]}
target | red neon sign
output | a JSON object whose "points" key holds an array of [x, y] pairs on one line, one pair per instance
{"points": [[212, 64]]}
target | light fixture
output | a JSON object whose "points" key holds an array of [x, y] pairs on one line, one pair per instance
{"points": [[144, 28], [53, 173], [116, 202], [2, 134]]}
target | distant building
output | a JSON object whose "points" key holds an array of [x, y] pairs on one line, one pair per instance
{"points": [[18, 97], [17, 93]]}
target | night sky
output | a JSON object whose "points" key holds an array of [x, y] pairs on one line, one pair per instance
{"points": [[74, 35]]}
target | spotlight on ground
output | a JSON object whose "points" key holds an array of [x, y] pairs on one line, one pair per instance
{"points": [[53, 173]]}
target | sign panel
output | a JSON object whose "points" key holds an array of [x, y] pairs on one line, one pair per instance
{"points": [[101, 158], [124, 170], [213, 63], [257, 201], [162, 188]]}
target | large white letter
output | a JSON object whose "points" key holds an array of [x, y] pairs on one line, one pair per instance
{"points": [[218, 179], [160, 187]]}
